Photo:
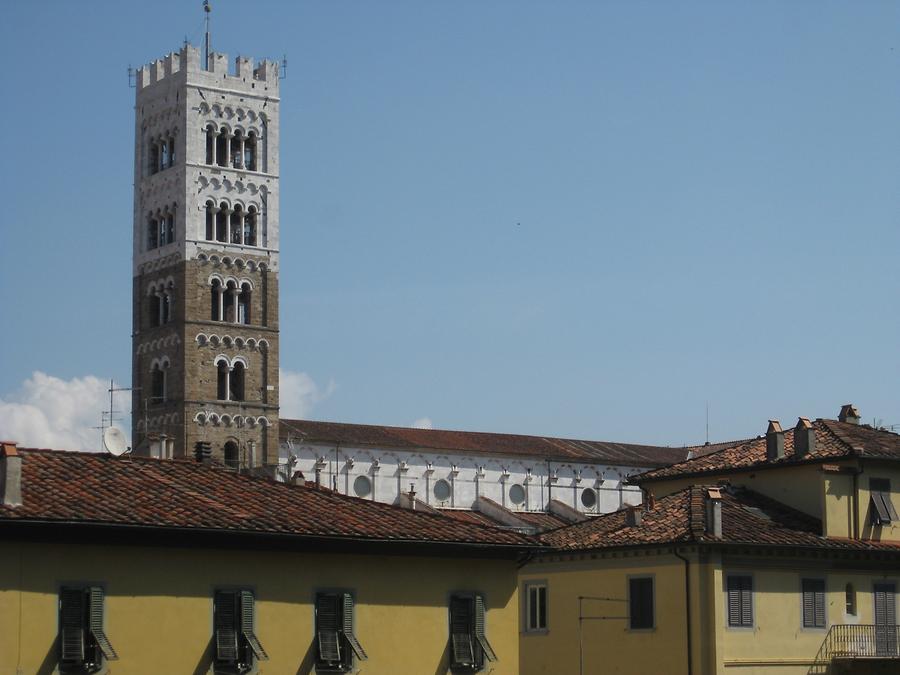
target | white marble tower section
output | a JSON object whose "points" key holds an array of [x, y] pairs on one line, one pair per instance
{"points": [[205, 346]]}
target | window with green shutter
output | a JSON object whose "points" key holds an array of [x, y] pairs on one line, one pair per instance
{"points": [[83, 642], [813, 591], [740, 600], [881, 506], [336, 639], [234, 621]]}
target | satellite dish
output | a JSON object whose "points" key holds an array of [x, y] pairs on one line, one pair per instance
{"points": [[114, 442]]}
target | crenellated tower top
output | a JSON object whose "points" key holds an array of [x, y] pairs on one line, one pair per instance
{"points": [[261, 76]]}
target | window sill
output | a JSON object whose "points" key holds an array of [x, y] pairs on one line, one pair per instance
{"points": [[538, 631]]}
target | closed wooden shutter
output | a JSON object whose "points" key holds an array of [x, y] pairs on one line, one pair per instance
{"points": [[72, 624], [248, 620], [226, 623], [461, 620], [348, 628], [814, 603], [885, 605], [480, 629], [95, 595], [740, 601], [328, 623]]}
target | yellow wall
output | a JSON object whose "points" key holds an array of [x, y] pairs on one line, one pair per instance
{"points": [[159, 605], [837, 515], [798, 486], [608, 645]]}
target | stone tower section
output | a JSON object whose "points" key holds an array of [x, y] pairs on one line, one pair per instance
{"points": [[205, 310]]}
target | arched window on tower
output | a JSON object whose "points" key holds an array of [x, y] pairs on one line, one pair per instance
{"points": [[170, 225], [230, 301], [237, 150], [236, 382], [210, 143], [231, 455], [222, 222], [222, 381], [164, 154], [222, 148], [250, 152], [237, 218], [153, 156], [154, 311], [244, 304], [158, 383], [171, 151], [152, 232], [250, 227], [216, 301], [210, 220]]}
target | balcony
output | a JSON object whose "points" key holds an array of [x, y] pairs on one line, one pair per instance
{"points": [[859, 649]]}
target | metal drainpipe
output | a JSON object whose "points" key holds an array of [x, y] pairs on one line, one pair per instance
{"points": [[687, 605]]}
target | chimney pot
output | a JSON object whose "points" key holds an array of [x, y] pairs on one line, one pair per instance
{"points": [[651, 501], [633, 516], [774, 441], [714, 512], [849, 414], [203, 452], [804, 438], [10, 475]]}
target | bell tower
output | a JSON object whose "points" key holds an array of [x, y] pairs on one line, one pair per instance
{"points": [[205, 252]]}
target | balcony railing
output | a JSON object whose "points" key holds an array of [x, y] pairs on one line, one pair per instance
{"points": [[864, 641]]}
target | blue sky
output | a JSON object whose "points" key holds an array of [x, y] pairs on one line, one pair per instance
{"points": [[582, 219]]}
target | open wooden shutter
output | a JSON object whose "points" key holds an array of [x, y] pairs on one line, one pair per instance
{"points": [[226, 622], [247, 623], [71, 624], [480, 629], [348, 628], [881, 515], [95, 595], [461, 620], [328, 624]]}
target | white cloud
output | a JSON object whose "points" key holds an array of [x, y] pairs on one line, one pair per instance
{"points": [[423, 423], [49, 412], [298, 394]]}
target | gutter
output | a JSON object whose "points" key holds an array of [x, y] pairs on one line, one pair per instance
{"points": [[687, 607]]}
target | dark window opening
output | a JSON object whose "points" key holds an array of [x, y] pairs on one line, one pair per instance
{"points": [[244, 305], [155, 309], [231, 455], [336, 641], [236, 219], [234, 619], [250, 228], [640, 603], [215, 312], [250, 153], [222, 382], [236, 383], [158, 384], [536, 608], [83, 644], [170, 228], [152, 233], [469, 647], [221, 147], [210, 147], [210, 221], [850, 599], [221, 223]]}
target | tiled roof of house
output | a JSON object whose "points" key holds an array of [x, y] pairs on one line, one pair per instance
{"points": [[834, 440], [626, 454], [747, 518], [88, 488], [541, 520]]}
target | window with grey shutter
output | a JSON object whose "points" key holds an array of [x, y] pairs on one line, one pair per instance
{"points": [[740, 601], [882, 507], [480, 629], [462, 639], [640, 602], [72, 628], [334, 652], [226, 624], [347, 623], [95, 621], [813, 603], [885, 610], [248, 621]]}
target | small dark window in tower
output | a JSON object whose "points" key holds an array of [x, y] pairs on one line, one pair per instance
{"points": [[210, 221], [155, 309], [153, 163], [236, 151], [221, 148], [230, 302], [244, 304], [221, 223], [236, 220], [222, 392], [152, 233], [164, 155], [170, 227], [250, 228], [250, 153], [215, 312], [171, 152], [231, 455], [236, 383], [210, 144], [158, 384]]}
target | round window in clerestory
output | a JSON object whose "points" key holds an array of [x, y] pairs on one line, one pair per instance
{"points": [[517, 494], [442, 490], [362, 486], [589, 498]]}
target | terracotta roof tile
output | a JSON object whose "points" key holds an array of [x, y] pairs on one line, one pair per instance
{"points": [[92, 488], [833, 440], [627, 454], [747, 518]]}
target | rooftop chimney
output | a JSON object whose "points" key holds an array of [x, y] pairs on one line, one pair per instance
{"points": [[774, 441], [412, 496], [651, 500], [633, 516], [849, 414], [10, 475], [804, 438], [714, 512], [203, 452]]}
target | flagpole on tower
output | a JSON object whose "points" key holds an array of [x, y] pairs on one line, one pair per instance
{"points": [[207, 8]]}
